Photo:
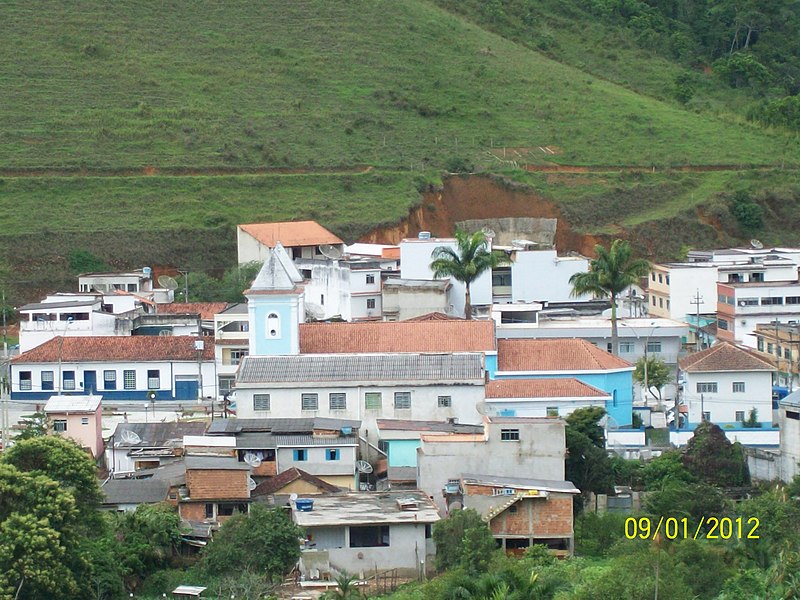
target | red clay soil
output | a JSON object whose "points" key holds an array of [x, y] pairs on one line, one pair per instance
{"points": [[476, 197]]}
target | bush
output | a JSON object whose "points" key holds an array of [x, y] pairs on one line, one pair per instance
{"points": [[458, 164], [463, 540]]}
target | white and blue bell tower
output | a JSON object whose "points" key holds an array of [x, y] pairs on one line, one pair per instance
{"points": [[275, 306]]}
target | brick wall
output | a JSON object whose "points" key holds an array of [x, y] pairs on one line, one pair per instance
{"points": [[192, 511], [551, 517], [216, 483]]}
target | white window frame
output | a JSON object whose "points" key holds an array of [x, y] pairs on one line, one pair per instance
{"points": [[444, 401], [402, 400], [738, 387], [309, 401], [261, 402], [337, 401]]}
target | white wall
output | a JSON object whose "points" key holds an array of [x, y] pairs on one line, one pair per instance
{"points": [[249, 249], [684, 284], [415, 260], [724, 404], [746, 437], [285, 402], [316, 462], [538, 275], [530, 407], [790, 444]]}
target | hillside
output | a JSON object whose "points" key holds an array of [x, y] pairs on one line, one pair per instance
{"points": [[144, 132]]}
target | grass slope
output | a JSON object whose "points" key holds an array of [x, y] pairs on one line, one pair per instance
{"points": [[314, 83]]}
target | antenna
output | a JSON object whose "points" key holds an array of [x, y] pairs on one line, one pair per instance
{"points": [[756, 244], [331, 252], [251, 484], [363, 466], [167, 282], [252, 459], [131, 437]]}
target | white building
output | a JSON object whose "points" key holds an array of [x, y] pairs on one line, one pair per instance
{"points": [[790, 436], [724, 383], [301, 239], [350, 289], [741, 307], [231, 344], [542, 397], [542, 275]]}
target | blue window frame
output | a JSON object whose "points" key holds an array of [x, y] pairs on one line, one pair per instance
{"points": [[332, 454], [300, 455]]}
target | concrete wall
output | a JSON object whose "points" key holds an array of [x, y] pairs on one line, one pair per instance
{"points": [[249, 249], [684, 284], [538, 407], [790, 442], [316, 463], [401, 303], [88, 434], [724, 404], [746, 437], [539, 454], [402, 453], [406, 550], [539, 275], [285, 402]]}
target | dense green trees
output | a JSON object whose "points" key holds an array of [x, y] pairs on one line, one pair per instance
{"points": [[463, 541], [228, 288]]}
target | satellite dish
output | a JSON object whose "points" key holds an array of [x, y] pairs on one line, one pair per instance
{"points": [[293, 497], [331, 252], [252, 459], [480, 408], [251, 484], [131, 437], [489, 232], [756, 244], [98, 289], [363, 466], [167, 282], [609, 423]]}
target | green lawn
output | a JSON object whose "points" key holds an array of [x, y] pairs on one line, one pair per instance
{"points": [[314, 83]]}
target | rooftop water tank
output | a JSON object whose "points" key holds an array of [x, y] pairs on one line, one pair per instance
{"points": [[147, 272], [304, 504], [424, 235]]}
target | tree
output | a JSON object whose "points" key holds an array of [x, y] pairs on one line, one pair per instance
{"points": [[658, 375], [712, 458], [264, 540], [466, 262], [33, 425], [611, 272], [64, 462], [463, 540], [588, 465]]}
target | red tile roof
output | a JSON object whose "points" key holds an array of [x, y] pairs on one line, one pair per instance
{"points": [[206, 310], [725, 356], [292, 233], [555, 355], [117, 348], [433, 316], [274, 485], [542, 388], [399, 336]]}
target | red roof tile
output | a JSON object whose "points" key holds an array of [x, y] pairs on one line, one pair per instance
{"points": [[555, 355], [725, 356], [117, 348], [274, 485], [433, 316], [291, 233], [399, 336], [542, 388], [206, 310]]}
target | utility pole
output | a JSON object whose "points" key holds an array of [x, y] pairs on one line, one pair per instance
{"points": [[697, 301]]}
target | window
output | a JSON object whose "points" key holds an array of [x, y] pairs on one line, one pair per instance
{"points": [[552, 411], [227, 509], [660, 303], [739, 416], [322, 299], [660, 278], [59, 425], [666, 278], [652, 276], [509, 435], [653, 300], [795, 416], [770, 348], [47, 380], [25, 381], [512, 509], [738, 387], [369, 536], [371, 279], [760, 344], [273, 326], [370, 302], [132, 287], [373, 399], [309, 402], [332, 454], [69, 380], [444, 402], [757, 277], [722, 324], [787, 353], [654, 347], [748, 302], [110, 379], [153, 379], [609, 347], [771, 301], [706, 388], [84, 420], [626, 347], [129, 379], [237, 356], [402, 399], [209, 510], [301, 455], [337, 401], [260, 401], [226, 384], [792, 299], [707, 416]]}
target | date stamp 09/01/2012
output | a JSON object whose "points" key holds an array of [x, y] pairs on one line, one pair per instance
{"points": [[672, 528]]}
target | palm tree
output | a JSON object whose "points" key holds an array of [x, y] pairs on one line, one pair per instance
{"points": [[466, 262], [611, 272]]}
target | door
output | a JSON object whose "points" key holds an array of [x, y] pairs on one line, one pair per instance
{"points": [[89, 382], [186, 389]]}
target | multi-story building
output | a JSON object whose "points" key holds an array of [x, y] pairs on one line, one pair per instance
{"points": [[300, 239], [741, 307], [781, 343]]}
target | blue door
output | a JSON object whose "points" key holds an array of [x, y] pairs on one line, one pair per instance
{"points": [[89, 382], [186, 389]]}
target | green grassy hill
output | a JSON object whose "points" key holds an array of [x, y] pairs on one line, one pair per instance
{"points": [[314, 83], [145, 131]]}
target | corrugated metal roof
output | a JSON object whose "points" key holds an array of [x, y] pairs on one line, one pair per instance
{"points": [[286, 425], [350, 367], [522, 482], [215, 462], [135, 491], [310, 440]]}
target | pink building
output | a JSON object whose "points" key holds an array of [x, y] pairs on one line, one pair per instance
{"points": [[79, 418]]}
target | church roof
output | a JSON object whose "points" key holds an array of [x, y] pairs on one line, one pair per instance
{"points": [[278, 273]]}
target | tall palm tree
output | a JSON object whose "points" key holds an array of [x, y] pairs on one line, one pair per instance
{"points": [[466, 262], [611, 272]]}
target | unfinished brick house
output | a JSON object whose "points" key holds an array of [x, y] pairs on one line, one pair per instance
{"points": [[217, 487], [522, 512]]}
